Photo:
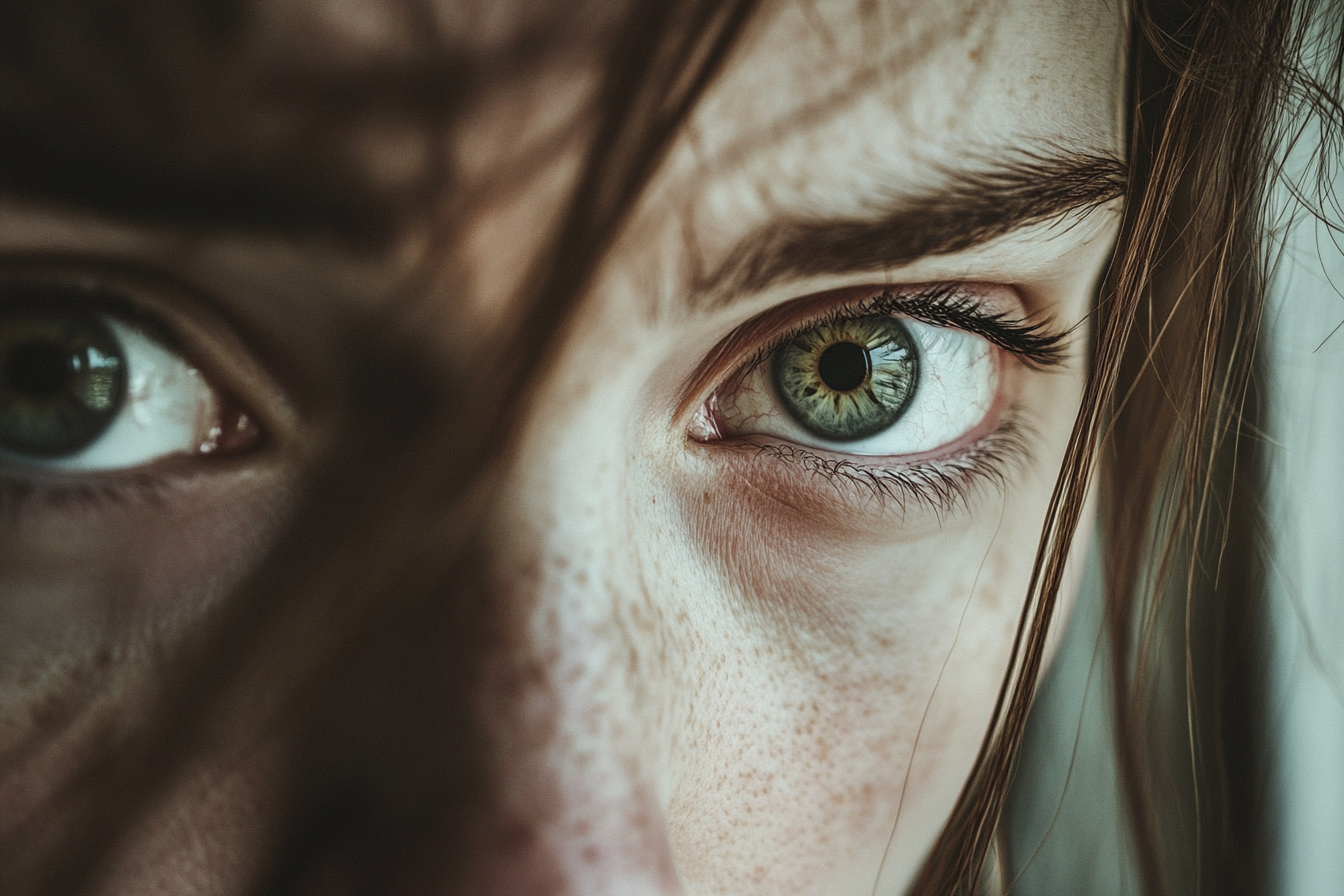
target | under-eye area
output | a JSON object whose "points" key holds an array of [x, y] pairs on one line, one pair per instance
{"points": [[941, 485], [908, 396]]}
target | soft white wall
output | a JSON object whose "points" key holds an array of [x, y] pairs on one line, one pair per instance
{"points": [[1070, 839], [1305, 711], [1065, 830]]}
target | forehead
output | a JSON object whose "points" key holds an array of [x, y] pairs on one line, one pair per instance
{"points": [[825, 108], [852, 117], [891, 97], [952, 72]]}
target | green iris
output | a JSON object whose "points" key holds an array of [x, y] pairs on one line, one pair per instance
{"points": [[849, 379], [62, 380]]}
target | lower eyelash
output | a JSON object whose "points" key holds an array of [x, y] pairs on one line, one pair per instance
{"points": [[18, 495], [941, 486]]}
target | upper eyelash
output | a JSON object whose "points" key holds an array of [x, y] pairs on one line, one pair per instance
{"points": [[1032, 341], [97, 297]]}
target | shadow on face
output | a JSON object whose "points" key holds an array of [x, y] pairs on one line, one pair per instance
{"points": [[524, 449]]}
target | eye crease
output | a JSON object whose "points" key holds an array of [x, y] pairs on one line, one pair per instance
{"points": [[84, 389]]}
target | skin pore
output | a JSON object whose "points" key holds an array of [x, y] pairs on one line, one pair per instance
{"points": [[724, 657]]}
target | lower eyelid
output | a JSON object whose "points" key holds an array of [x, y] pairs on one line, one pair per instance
{"points": [[51, 495], [19, 498], [157, 546], [844, 492]]}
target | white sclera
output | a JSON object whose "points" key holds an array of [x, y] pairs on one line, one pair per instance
{"points": [[958, 381], [169, 409]]}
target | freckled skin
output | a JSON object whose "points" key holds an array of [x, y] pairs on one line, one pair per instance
{"points": [[765, 719], [705, 670]]}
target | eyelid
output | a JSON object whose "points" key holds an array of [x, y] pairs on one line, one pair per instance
{"points": [[182, 322], [986, 310]]}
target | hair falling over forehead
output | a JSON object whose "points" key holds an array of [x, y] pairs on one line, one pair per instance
{"points": [[1166, 429], [339, 603]]}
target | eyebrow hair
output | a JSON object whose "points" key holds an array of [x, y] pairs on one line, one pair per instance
{"points": [[975, 206]]}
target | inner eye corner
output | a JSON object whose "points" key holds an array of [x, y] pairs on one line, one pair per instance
{"points": [[237, 431]]}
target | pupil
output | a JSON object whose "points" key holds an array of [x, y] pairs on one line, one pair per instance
{"points": [[37, 369], [843, 367]]}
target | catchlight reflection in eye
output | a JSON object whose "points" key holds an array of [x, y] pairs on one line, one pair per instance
{"points": [[62, 383], [81, 390], [849, 379], [872, 385]]}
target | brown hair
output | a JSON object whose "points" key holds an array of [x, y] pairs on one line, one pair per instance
{"points": [[336, 603], [1170, 420], [339, 603]]}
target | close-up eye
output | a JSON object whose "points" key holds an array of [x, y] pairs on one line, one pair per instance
{"points": [[84, 388], [671, 447], [892, 378]]}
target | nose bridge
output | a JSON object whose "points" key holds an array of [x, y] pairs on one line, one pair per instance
{"points": [[563, 703]]}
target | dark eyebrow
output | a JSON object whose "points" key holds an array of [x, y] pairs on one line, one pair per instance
{"points": [[973, 207], [274, 149], [291, 201]]}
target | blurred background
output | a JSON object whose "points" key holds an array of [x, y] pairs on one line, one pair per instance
{"points": [[1066, 833]]}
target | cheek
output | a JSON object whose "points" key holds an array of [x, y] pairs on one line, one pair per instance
{"points": [[92, 596], [87, 573], [725, 683], [837, 683]]}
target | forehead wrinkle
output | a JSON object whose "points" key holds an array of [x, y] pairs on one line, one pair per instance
{"points": [[734, 174], [902, 60], [700, 160]]}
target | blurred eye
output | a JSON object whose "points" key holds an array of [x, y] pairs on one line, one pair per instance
{"points": [[85, 390], [871, 385]]}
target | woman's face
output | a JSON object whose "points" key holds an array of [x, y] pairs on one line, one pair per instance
{"points": [[758, 554]]}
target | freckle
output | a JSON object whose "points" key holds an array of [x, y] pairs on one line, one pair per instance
{"points": [[591, 854]]}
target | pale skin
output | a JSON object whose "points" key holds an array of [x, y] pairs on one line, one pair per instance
{"points": [[743, 676]]}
